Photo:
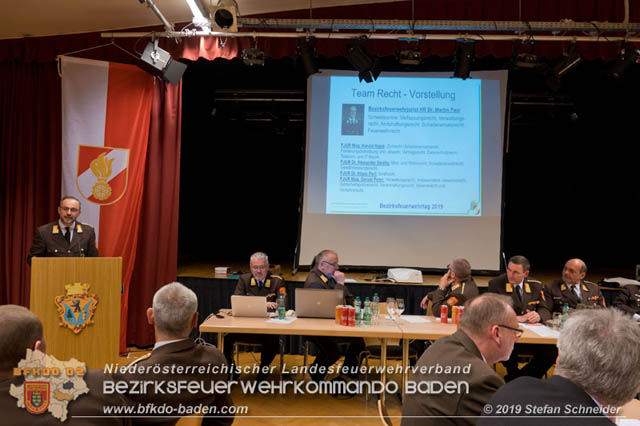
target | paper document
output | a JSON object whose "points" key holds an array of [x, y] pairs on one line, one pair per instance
{"points": [[541, 330], [283, 321], [414, 319]]}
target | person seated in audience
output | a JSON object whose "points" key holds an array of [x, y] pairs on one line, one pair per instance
{"points": [[260, 282], [596, 373], [21, 330], [571, 289], [527, 302], [326, 274], [486, 334], [174, 314], [455, 288], [628, 300]]}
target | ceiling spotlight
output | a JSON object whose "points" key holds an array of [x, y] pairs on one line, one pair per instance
{"points": [[409, 57], [162, 63], [525, 60], [253, 56], [627, 56], [224, 16], [569, 60], [368, 67], [307, 55], [464, 58]]}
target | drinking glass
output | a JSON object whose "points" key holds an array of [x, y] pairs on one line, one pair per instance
{"points": [[391, 307], [399, 307]]}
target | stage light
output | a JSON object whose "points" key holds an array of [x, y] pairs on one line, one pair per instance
{"points": [[253, 56], [161, 61], [409, 57], [224, 16], [307, 54], [464, 58], [525, 60], [368, 67], [627, 56], [569, 60], [199, 13]]}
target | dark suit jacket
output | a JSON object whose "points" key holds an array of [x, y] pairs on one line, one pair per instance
{"points": [[247, 286], [316, 279], [528, 392], [454, 295], [455, 350], [182, 353], [557, 293], [628, 299], [49, 241], [89, 404], [531, 296]]}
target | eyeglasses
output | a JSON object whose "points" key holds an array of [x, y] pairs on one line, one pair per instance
{"points": [[335, 265], [518, 331], [259, 267], [69, 209]]}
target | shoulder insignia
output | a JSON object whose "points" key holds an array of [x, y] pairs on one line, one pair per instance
{"points": [[509, 288], [534, 281], [563, 287], [455, 287], [324, 279], [589, 282], [527, 289], [267, 283], [78, 228], [542, 295], [55, 229], [253, 282], [584, 287], [276, 276], [143, 357]]}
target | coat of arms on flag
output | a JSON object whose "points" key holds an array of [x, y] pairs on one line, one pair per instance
{"points": [[76, 309], [102, 173], [36, 397]]}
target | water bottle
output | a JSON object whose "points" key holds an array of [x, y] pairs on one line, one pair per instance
{"points": [[282, 310], [358, 311], [565, 314], [374, 307], [366, 318]]}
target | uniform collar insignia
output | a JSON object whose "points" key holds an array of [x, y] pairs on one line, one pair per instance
{"points": [[527, 289], [455, 286], [253, 282], [509, 288], [563, 287], [267, 283], [55, 229], [78, 228], [323, 278], [584, 288]]}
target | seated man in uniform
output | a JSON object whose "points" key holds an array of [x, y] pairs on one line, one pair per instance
{"points": [[66, 237], [261, 283], [571, 289], [628, 300], [527, 302], [326, 275], [455, 288], [173, 315], [21, 330]]}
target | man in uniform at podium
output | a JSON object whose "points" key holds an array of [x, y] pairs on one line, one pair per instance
{"points": [[261, 283], [66, 237], [527, 302]]}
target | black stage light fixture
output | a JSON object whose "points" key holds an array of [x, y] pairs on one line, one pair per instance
{"points": [[464, 58], [368, 67], [627, 56], [307, 55], [162, 63], [224, 16], [409, 57], [569, 60], [253, 56]]}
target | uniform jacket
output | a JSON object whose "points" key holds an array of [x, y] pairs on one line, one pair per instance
{"points": [[557, 293], [532, 299], [628, 299], [49, 241], [316, 279], [454, 295], [248, 286]]}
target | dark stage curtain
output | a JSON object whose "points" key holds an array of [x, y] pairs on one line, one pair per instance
{"points": [[29, 166], [157, 253]]}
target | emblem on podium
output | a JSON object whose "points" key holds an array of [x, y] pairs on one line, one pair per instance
{"points": [[77, 307]]}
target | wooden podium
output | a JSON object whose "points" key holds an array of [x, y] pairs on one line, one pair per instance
{"points": [[60, 284]]}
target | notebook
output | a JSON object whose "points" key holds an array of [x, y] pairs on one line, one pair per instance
{"points": [[249, 306], [317, 303]]}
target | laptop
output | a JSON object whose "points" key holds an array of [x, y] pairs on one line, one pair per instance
{"points": [[317, 303], [249, 306]]}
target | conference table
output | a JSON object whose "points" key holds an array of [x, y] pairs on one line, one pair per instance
{"points": [[404, 328]]}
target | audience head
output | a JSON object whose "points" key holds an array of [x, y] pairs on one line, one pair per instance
{"points": [[259, 265], [490, 321], [327, 262], [21, 330], [518, 269], [574, 271], [68, 210], [461, 269], [599, 351], [174, 312]]}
